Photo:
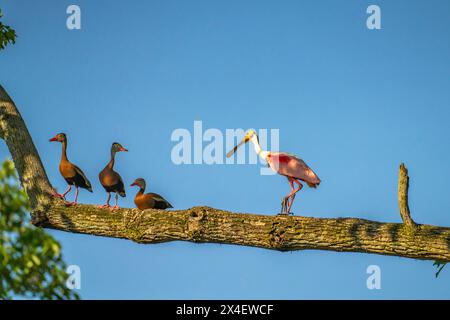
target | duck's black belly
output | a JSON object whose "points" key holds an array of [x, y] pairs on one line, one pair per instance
{"points": [[119, 188], [78, 181]]}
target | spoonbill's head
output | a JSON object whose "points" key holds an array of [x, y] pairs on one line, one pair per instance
{"points": [[117, 147], [60, 137], [139, 182], [249, 135]]}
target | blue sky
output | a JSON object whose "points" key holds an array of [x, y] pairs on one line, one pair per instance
{"points": [[353, 103]]}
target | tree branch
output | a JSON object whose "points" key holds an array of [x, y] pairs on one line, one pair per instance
{"points": [[204, 224], [403, 186], [25, 156]]}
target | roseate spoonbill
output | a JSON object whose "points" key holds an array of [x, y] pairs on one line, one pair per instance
{"points": [[110, 179], [70, 172], [148, 200], [285, 164]]}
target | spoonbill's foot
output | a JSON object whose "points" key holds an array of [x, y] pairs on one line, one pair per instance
{"points": [[59, 196], [71, 204], [285, 213]]}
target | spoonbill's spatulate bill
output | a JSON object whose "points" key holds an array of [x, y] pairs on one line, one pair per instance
{"points": [[70, 172], [285, 164], [110, 179], [148, 200]]}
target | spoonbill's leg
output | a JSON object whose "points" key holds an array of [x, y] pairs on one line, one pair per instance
{"points": [[74, 203], [107, 202], [300, 186], [63, 196], [285, 201], [289, 197], [117, 200], [283, 205]]}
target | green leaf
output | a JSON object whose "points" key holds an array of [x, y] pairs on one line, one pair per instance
{"points": [[7, 34], [31, 265]]}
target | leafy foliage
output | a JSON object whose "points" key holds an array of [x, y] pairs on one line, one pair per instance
{"points": [[7, 34], [31, 264]]}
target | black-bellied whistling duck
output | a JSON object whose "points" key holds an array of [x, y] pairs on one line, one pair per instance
{"points": [[110, 179], [70, 172], [148, 200]]}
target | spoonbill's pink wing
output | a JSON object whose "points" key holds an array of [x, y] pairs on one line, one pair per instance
{"points": [[290, 165]]}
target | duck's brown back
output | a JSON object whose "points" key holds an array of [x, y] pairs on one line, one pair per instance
{"points": [[67, 169], [108, 177], [151, 201], [112, 181]]}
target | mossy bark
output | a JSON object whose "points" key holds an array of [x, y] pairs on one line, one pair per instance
{"points": [[204, 224]]}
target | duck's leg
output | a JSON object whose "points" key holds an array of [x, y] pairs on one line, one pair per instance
{"points": [[74, 203], [117, 201], [107, 202], [300, 186], [63, 196]]}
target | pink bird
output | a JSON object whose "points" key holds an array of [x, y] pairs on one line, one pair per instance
{"points": [[285, 164]]}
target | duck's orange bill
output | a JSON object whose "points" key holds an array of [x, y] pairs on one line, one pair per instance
{"points": [[53, 139], [123, 149]]}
